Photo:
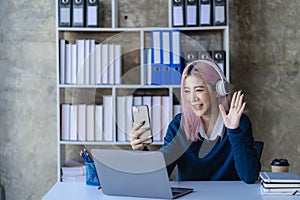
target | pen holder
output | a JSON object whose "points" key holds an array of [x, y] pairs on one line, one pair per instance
{"points": [[91, 174]]}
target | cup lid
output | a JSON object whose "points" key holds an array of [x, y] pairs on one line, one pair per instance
{"points": [[280, 162]]}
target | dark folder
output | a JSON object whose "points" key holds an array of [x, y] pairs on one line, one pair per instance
{"points": [[219, 12], [205, 55], [92, 13], [78, 14], [190, 56], [205, 12], [178, 14], [219, 56], [191, 12], [64, 13]]}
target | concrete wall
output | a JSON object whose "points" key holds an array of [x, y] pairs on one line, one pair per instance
{"points": [[264, 47], [28, 98], [265, 64]]}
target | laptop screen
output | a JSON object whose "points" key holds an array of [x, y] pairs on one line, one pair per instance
{"points": [[133, 173]]}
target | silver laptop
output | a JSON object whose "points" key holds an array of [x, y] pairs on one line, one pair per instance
{"points": [[134, 173]]}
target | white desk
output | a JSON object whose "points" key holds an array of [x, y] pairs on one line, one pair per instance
{"points": [[225, 190]]}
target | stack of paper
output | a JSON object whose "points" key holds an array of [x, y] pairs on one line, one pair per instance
{"points": [[279, 183], [73, 171]]}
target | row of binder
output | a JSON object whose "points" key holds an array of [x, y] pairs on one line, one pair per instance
{"points": [[165, 62], [219, 56], [85, 13], [159, 111], [86, 62], [198, 13], [82, 122], [91, 122], [78, 13]]}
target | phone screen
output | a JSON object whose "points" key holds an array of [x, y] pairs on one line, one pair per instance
{"points": [[141, 113]]}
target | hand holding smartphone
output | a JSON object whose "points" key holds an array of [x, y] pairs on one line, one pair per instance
{"points": [[140, 114]]}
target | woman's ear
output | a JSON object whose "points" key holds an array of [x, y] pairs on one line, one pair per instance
{"points": [[216, 94]]}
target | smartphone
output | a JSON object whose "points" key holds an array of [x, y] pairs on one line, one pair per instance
{"points": [[141, 113]]}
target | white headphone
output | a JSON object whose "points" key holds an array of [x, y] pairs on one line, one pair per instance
{"points": [[222, 86]]}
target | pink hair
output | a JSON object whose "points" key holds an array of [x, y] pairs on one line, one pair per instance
{"points": [[190, 122]]}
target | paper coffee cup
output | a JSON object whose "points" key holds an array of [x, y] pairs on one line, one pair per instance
{"points": [[280, 165]]}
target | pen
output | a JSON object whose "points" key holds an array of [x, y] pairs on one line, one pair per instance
{"points": [[89, 159], [85, 155], [82, 155]]}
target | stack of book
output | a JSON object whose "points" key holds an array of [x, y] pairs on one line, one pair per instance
{"points": [[73, 171], [279, 183]]}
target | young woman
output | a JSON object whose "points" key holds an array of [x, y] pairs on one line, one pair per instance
{"points": [[210, 139]]}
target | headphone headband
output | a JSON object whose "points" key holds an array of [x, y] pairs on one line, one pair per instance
{"points": [[222, 86], [216, 68]]}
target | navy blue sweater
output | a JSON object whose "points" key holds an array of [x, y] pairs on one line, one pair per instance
{"points": [[232, 158]]}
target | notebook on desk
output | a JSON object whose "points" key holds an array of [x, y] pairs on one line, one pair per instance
{"points": [[135, 173], [279, 177]]}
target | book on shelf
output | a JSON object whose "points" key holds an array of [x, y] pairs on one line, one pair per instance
{"points": [[108, 118], [156, 122], [73, 122], [74, 64], [80, 61], [137, 100], [98, 122], [121, 118], [128, 116], [86, 64], [65, 122], [81, 122], [90, 122], [92, 59], [117, 64], [166, 116], [68, 64], [98, 63], [111, 64], [62, 62], [104, 63], [148, 66]]}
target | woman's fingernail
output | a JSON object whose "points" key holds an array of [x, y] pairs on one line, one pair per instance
{"points": [[142, 122]]}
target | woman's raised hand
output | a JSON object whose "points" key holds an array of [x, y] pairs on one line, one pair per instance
{"points": [[237, 107]]}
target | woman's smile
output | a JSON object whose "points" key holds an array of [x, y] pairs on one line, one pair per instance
{"points": [[197, 106]]}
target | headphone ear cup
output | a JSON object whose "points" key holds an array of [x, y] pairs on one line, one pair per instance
{"points": [[222, 88]]}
